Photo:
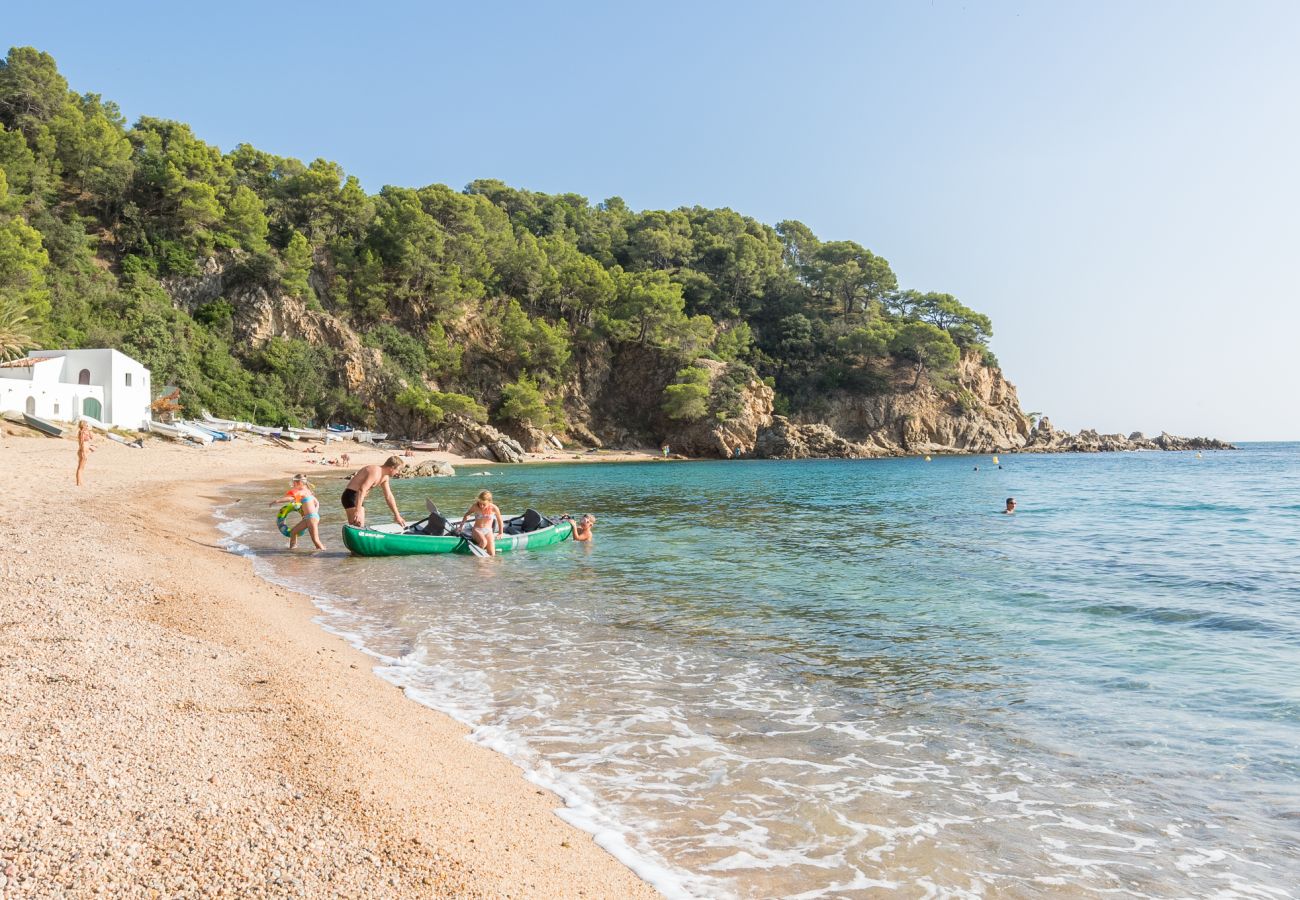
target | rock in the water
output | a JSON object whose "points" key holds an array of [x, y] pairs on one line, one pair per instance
{"points": [[1046, 439]]}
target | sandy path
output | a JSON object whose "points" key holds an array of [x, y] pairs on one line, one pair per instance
{"points": [[173, 725]]}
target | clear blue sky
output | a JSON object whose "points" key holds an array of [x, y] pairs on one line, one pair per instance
{"points": [[1116, 184]]}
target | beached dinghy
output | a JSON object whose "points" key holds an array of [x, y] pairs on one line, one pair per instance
{"points": [[209, 431], [227, 425], [178, 432], [391, 540], [43, 425]]}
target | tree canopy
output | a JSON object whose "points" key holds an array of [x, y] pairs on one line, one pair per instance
{"points": [[489, 298]]}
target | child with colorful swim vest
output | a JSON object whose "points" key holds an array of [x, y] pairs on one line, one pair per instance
{"points": [[299, 498]]}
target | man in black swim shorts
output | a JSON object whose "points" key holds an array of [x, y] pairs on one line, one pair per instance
{"points": [[368, 477]]}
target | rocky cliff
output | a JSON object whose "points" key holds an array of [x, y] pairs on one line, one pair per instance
{"points": [[977, 413], [616, 396], [260, 314]]}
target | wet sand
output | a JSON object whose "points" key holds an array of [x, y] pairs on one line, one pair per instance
{"points": [[172, 725]]}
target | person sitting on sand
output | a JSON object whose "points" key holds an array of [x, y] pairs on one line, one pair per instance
{"points": [[301, 492], [582, 527], [1011, 506], [84, 437], [367, 478], [487, 522]]}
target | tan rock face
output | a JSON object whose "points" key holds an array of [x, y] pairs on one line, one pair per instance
{"points": [[465, 437], [980, 414], [615, 396], [783, 439], [261, 314], [712, 436]]}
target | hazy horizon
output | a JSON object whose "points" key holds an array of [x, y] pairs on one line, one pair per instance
{"points": [[1115, 187]]}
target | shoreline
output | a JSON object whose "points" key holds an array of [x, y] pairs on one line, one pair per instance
{"points": [[177, 722]]}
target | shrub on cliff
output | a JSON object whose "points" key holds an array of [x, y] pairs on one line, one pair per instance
{"points": [[431, 407], [523, 402], [687, 398]]}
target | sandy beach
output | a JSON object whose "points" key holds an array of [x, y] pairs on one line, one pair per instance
{"points": [[175, 726]]}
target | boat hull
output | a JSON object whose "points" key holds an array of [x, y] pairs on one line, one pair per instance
{"points": [[379, 542], [43, 426], [179, 433]]}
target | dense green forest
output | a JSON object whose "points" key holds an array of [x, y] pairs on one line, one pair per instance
{"points": [[484, 301]]}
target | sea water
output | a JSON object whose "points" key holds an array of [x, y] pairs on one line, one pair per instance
{"points": [[840, 678]]}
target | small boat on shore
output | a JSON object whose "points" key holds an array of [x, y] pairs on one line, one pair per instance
{"points": [[392, 540], [227, 425], [210, 431], [179, 432], [44, 426]]}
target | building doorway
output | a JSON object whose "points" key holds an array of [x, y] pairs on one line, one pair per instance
{"points": [[31, 406], [92, 407]]}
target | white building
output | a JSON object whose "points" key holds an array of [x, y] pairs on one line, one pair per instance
{"points": [[65, 384]]}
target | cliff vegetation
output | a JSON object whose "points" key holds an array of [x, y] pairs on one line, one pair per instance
{"points": [[279, 291]]}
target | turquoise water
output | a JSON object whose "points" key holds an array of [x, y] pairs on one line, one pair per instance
{"points": [[829, 678]]}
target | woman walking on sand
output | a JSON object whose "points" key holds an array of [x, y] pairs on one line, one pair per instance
{"points": [[487, 522], [84, 437]]}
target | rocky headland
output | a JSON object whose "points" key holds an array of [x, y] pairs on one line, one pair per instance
{"points": [[614, 398]]}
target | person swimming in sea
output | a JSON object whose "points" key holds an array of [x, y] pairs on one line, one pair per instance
{"points": [[1011, 506], [582, 527], [487, 522]]}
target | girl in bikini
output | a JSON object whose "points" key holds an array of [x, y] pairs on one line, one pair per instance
{"points": [[487, 522], [300, 491]]}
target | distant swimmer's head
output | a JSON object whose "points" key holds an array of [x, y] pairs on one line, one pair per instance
{"points": [[394, 464], [1011, 505]]}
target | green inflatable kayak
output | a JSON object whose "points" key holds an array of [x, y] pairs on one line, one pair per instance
{"points": [[390, 540]]}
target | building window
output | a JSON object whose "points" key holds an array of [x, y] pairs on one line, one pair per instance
{"points": [[128, 379], [31, 406], [84, 377], [56, 407]]}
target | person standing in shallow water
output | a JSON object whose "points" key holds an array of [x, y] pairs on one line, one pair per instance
{"points": [[366, 478], [301, 492], [84, 437], [487, 522]]}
